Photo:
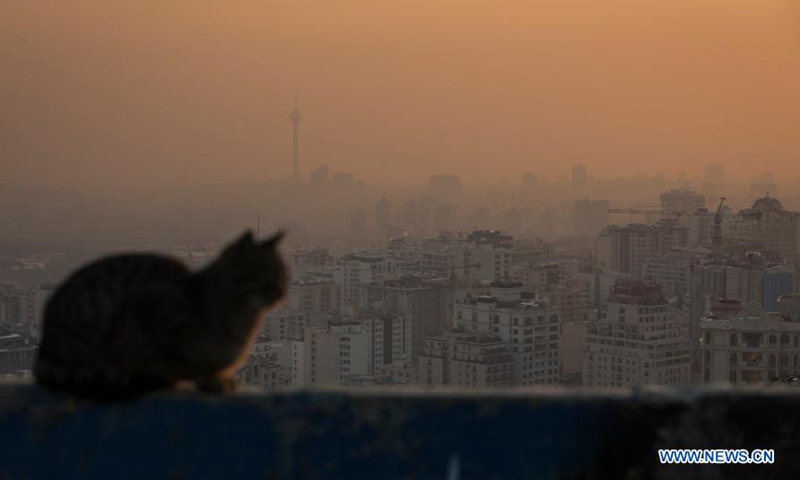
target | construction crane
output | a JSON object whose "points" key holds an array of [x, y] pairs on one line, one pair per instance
{"points": [[716, 228], [677, 213]]}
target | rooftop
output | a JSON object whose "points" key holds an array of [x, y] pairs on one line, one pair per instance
{"points": [[637, 293], [522, 304]]}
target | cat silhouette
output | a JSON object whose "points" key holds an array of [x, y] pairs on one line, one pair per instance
{"points": [[130, 324]]}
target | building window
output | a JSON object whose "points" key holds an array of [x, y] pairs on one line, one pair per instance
{"points": [[734, 342]]}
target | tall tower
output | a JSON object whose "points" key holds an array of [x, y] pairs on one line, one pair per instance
{"points": [[295, 117]]}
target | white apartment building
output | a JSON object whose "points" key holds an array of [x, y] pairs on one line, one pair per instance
{"points": [[770, 224], [342, 349], [639, 340], [466, 359], [285, 324], [354, 271], [310, 293], [483, 255], [748, 346], [264, 371], [627, 249], [290, 354], [532, 330], [424, 299]]}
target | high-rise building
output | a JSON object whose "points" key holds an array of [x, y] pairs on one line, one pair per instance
{"points": [[639, 340], [284, 324], [425, 300], [672, 271], [466, 359], [410, 212], [351, 272], [700, 228], [579, 182], [530, 182], [483, 255], [770, 224], [789, 307], [531, 329], [290, 355], [314, 294], [17, 354], [627, 249], [687, 201], [447, 188], [343, 182], [23, 306], [264, 371], [747, 345], [591, 216], [319, 177], [711, 285], [714, 173], [341, 349], [713, 178]]}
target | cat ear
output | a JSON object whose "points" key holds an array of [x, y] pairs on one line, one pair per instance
{"points": [[243, 242], [274, 240]]}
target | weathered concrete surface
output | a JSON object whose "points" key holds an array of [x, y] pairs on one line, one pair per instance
{"points": [[301, 435]]}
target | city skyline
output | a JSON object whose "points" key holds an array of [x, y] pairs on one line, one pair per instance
{"points": [[378, 239]]}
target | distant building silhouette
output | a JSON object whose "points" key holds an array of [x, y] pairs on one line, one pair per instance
{"points": [[681, 201], [579, 179], [591, 216], [319, 177], [410, 212], [343, 181], [530, 181], [447, 188], [714, 173]]}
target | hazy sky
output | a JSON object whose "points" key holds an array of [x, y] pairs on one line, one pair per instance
{"points": [[120, 92]]}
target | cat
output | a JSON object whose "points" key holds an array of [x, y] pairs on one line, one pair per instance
{"points": [[131, 324]]}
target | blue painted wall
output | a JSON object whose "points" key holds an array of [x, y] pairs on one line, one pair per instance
{"points": [[300, 435]]}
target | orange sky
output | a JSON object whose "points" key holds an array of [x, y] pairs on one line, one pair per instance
{"points": [[112, 92]]}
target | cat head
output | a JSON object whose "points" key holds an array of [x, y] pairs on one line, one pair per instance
{"points": [[257, 266]]}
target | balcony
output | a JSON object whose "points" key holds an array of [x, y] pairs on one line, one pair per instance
{"points": [[752, 364], [375, 434]]}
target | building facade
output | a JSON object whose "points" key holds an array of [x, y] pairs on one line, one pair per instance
{"points": [[639, 340], [461, 359]]}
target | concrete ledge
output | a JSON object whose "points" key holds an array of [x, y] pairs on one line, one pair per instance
{"points": [[371, 435]]}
